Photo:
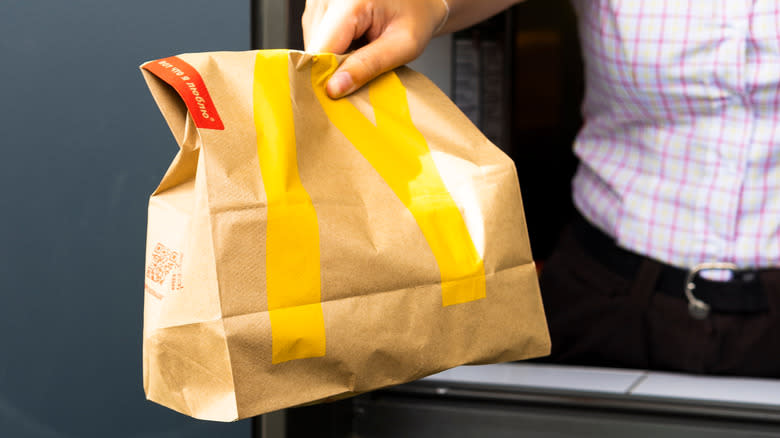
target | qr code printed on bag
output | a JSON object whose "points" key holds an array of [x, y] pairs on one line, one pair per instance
{"points": [[165, 262]]}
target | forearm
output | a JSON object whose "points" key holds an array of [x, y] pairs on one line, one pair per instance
{"points": [[464, 13]]}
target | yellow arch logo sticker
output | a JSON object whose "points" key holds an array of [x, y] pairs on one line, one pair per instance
{"points": [[399, 154]]}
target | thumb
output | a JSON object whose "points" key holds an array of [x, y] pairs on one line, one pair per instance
{"points": [[381, 55]]}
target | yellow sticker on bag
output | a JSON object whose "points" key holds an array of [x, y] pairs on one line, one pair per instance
{"points": [[400, 154], [292, 236]]}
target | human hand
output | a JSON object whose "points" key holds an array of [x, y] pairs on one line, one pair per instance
{"points": [[397, 32]]}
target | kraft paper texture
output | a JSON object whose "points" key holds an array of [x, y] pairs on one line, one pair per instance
{"points": [[302, 249]]}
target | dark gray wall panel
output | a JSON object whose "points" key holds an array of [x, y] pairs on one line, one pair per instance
{"points": [[82, 145]]}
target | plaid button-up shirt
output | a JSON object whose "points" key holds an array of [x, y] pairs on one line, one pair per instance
{"points": [[680, 150]]}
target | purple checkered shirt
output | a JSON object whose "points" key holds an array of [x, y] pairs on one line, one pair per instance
{"points": [[680, 150]]}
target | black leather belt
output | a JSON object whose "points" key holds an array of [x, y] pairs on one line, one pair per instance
{"points": [[743, 293]]}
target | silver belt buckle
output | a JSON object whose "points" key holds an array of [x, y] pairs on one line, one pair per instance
{"points": [[696, 307]]}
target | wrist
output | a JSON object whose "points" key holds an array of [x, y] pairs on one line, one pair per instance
{"points": [[445, 16]]}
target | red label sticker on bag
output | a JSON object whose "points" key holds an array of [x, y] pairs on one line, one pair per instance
{"points": [[190, 86]]}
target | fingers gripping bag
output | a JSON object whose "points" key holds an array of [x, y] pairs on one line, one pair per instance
{"points": [[302, 248]]}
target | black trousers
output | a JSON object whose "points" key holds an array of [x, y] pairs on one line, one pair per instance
{"points": [[600, 318]]}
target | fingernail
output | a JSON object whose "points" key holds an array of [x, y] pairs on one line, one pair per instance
{"points": [[340, 84]]}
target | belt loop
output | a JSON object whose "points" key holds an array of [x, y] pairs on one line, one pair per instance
{"points": [[644, 283]]}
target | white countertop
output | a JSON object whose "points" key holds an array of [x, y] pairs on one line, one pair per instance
{"points": [[618, 382]]}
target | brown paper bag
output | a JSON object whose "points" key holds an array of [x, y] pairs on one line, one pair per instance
{"points": [[302, 248]]}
